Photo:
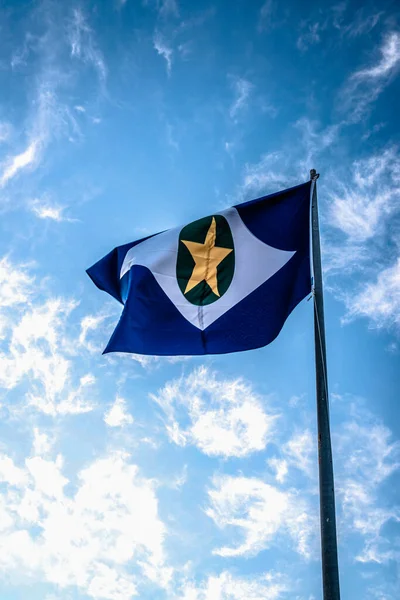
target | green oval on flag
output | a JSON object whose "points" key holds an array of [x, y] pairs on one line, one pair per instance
{"points": [[206, 260]]}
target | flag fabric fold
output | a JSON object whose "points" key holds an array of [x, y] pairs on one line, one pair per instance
{"points": [[224, 283]]}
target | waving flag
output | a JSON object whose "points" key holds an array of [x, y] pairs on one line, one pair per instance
{"points": [[224, 283]]}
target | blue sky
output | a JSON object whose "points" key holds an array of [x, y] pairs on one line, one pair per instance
{"points": [[194, 479]]}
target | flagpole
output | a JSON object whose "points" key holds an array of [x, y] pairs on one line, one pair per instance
{"points": [[330, 568]]}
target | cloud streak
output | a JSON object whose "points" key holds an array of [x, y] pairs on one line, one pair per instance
{"points": [[19, 162], [242, 89], [83, 45], [365, 85], [163, 49]]}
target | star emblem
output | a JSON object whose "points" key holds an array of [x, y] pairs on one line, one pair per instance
{"points": [[207, 257]]}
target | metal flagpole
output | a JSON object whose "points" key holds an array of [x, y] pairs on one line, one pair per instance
{"points": [[330, 569]]}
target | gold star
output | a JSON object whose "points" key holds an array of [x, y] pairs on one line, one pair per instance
{"points": [[207, 257]]}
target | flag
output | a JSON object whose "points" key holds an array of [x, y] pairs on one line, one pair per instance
{"points": [[223, 283]]}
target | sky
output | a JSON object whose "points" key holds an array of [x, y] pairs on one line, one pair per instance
{"points": [[126, 476]]}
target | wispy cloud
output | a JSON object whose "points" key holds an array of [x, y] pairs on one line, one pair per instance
{"points": [[311, 35], [261, 513], [315, 139], [168, 7], [336, 20], [297, 453], [390, 58], [362, 23], [37, 347], [5, 131], [49, 119], [369, 457], [90, 327], [365, 211], [16, 284], [45, 210], [273, 586], [365, 85], [343, 258], [163, 49], [226, 417], [265, 15], [83, 45], [378, 300], [38, 353], [267, 175], [242, 89], [21, 161], [164, 8], [360, 208]]}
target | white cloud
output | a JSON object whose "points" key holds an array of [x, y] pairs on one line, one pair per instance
{"points": [[242, 89], [280, 466], [83, 45], [343, 259], [261, 514], [38, 351], [16, 284], [365, 85], [226, 417], [359, 209], [91, 324], [102, 538], [226, 586], [117, 415], [368, 458], [365, 209], [37, 347], [16, 163], [390, 58], [43, 209], [379, 300], [268, 175], [298, 452], [48, 120], [163, 49], [42, 443]]}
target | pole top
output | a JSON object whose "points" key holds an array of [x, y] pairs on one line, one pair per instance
{"points": [[313, 175]]}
